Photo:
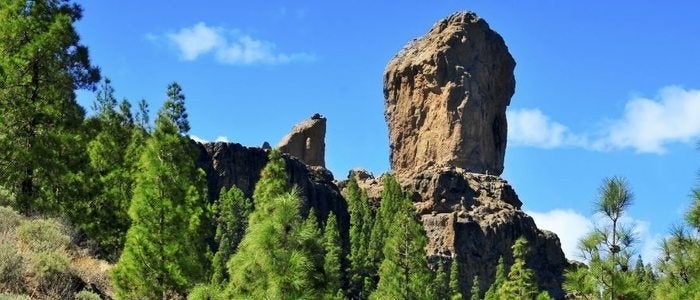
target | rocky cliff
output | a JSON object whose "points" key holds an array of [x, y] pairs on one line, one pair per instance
{"points": [[445, 96], [228, 164]]}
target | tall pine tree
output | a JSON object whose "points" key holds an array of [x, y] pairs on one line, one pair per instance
{"points": [[164, 254], [520, 283], [361, 221], [231, 218], [404, 272], [332, 261], [274, 260], [42, 63]]}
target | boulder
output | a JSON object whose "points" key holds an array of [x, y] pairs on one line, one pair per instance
{"points": [[307, 141], [446, 95]]}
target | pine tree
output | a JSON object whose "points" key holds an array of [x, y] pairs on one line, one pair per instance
{"points": [[455, 291], [332, 262], [404, 272], [499, 279], [520, 283], [441, 284], [475, 290], [164, 255], [391, 203], [104, 217], [42, 63], [231, 218], [679, 266], [272, 261], [360, 230], [607, 248], [275, 260]]}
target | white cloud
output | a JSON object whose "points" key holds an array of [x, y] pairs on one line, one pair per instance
{"points": [[221, 138], [530, 127], [571, 226], [198, 139], [229, 46], [647, 125], [567, 224]]}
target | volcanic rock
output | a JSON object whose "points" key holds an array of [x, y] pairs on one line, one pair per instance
{"points": [[229, 164], [307, 141], [446, 95]]}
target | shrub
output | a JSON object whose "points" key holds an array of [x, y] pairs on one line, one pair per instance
{"points": [[9, 219], [87, 295], [206, 292], [6, 197], [4, 296], [11, 267], [43, 235]]}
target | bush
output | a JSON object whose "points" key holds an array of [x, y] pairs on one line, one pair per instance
{"points": [[6, 197], [11, 267], [4, 296], [43, 235], [206, 292], [87, 295], [9, 219]]}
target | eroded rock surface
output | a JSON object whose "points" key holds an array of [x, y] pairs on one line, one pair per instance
{"points": [[228, 164], [474, 219], [446, 95], [307, 141]]}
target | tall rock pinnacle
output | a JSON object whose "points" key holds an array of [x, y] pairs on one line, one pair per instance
{"points": [[446, 95]]}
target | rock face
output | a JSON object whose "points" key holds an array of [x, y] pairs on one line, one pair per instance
{"points": [[307, 141], [228, 164], [474, 219], [446, 95]]}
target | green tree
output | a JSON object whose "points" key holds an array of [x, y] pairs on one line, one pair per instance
{"points": [[608, 249], [104, 216], [275, 259], [455, 292], [475, 290], [441, 284], [392, 202], [42, 63], [332, 262], [404, 272], [231, 218], [164, 255], [499, 279], [520, 283], [361, 221], [679, 266]]}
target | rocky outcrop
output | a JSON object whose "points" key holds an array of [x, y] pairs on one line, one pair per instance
{"points": [[307, 141], [228, 164], [474, 219], [446, 95]]}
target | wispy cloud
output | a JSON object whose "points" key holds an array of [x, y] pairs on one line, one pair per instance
{"points": [[229, 46], [571, 226], [646, 126]]}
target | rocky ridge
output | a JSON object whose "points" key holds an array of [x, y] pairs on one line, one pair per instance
{"points": [[306, 141]]}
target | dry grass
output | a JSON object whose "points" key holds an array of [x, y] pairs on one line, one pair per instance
{"points": [[38, 260]]}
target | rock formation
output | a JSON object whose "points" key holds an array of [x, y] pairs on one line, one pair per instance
{"points": [[446, 96], [228, 164], [307, 141]]}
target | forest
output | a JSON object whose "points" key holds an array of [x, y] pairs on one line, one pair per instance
{"points": [[119, 192]]}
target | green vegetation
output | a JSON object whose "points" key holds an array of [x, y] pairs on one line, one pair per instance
{"points": [[132, 194], [160, 257]]}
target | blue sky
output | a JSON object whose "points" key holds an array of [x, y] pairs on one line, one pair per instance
{"points": [[603, 89]]}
